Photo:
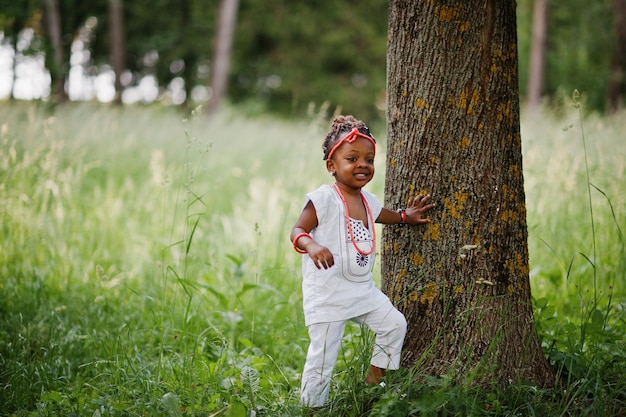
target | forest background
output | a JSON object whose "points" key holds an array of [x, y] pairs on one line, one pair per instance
{"points": [[291, 56], [145, 266]]}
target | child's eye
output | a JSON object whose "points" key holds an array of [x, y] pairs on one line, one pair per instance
{"points": [[351, 159], [370, 161]]}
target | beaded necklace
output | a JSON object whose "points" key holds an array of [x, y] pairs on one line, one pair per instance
{"points": [[349, 224]]}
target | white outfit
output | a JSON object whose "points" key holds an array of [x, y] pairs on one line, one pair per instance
{"points": [[344, 292]]}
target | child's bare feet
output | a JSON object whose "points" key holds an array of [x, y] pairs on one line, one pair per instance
{"points": [[374, 375]]}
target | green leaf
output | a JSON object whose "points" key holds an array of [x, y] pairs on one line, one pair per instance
{"points": [[171, 404], [52, 396], [236, 409]]}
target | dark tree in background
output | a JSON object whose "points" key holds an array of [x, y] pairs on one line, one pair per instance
{"points": [[617, 77], [454, 130], [537, 54], [56, 61], [302, 57], [221, 54], [116, 41]]}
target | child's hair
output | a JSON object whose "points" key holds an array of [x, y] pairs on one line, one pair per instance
{"points": [[342, 125]]}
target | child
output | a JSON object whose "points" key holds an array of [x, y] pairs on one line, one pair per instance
{"points": [[336, 230]]}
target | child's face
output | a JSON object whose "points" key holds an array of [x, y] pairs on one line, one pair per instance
{"points": [[353, 163]]}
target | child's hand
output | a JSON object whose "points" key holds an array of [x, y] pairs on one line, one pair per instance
{"points": [[415, 212], [322, 257]]}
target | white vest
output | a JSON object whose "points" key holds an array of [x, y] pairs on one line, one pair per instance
{"points": [[345, 290]]}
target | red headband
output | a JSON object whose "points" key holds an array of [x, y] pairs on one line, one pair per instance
{"points": [[350, 138]]}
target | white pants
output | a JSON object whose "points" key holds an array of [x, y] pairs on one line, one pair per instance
{"points": [[386, 322]]}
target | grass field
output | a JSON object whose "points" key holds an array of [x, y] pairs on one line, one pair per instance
{"points": [[146, 268]]}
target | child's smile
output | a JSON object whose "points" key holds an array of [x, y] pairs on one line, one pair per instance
{"points": [[353, 163]]}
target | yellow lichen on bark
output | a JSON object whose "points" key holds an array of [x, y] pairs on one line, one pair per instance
{"points": [[398, 286], [398, 283], [462, 102], [473, 101], [461, 197], [517, 266], [509, 216], [464, 142], [505, 110], [421, 104], [516, 171], [416, 259], [403, 273], [456, 205], [510, 290], [504, 189], [430, 293], [433, 232], [396, 248], [446, 13]]}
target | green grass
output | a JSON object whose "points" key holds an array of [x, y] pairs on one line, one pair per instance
{"points": [[146, 268]]}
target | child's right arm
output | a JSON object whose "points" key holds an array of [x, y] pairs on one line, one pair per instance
{"points": [[303, 242], [415, 213]]}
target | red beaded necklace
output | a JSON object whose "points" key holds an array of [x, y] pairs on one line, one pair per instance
{"points": [[349, 224]]}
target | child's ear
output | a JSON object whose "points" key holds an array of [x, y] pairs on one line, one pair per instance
{"points": [[330, 167]]}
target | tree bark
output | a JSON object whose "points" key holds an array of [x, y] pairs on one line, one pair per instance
{"points": [[221, 55], [18, 25], [617, 79], [57, 68], [453, 130], [116, 33], [190, 58], [537, 54]]}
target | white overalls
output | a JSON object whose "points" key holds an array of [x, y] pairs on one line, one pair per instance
{"points": [[342, 293]]}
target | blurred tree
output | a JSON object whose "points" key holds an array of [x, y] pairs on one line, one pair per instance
{"points": [[221, 55], [577, 53], [66, 21], [537, 54], [170, 44], [56, 62], [578, 49], [16, 16], [116, 36], [292, 56], [454, 130], [312, 55], [617, 78]]}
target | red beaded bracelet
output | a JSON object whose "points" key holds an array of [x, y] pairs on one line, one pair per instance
{"points": [[402, 217], [295, 242]]}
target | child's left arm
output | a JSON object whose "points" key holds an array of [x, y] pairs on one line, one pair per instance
{"points": [[413, 214]]}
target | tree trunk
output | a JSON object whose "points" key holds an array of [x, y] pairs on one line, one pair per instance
{"points": [[189, 57], [18, 25], [116, 33], [617, 79], [537, 54], [453, 130], [221, 55], [57, 67]]}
